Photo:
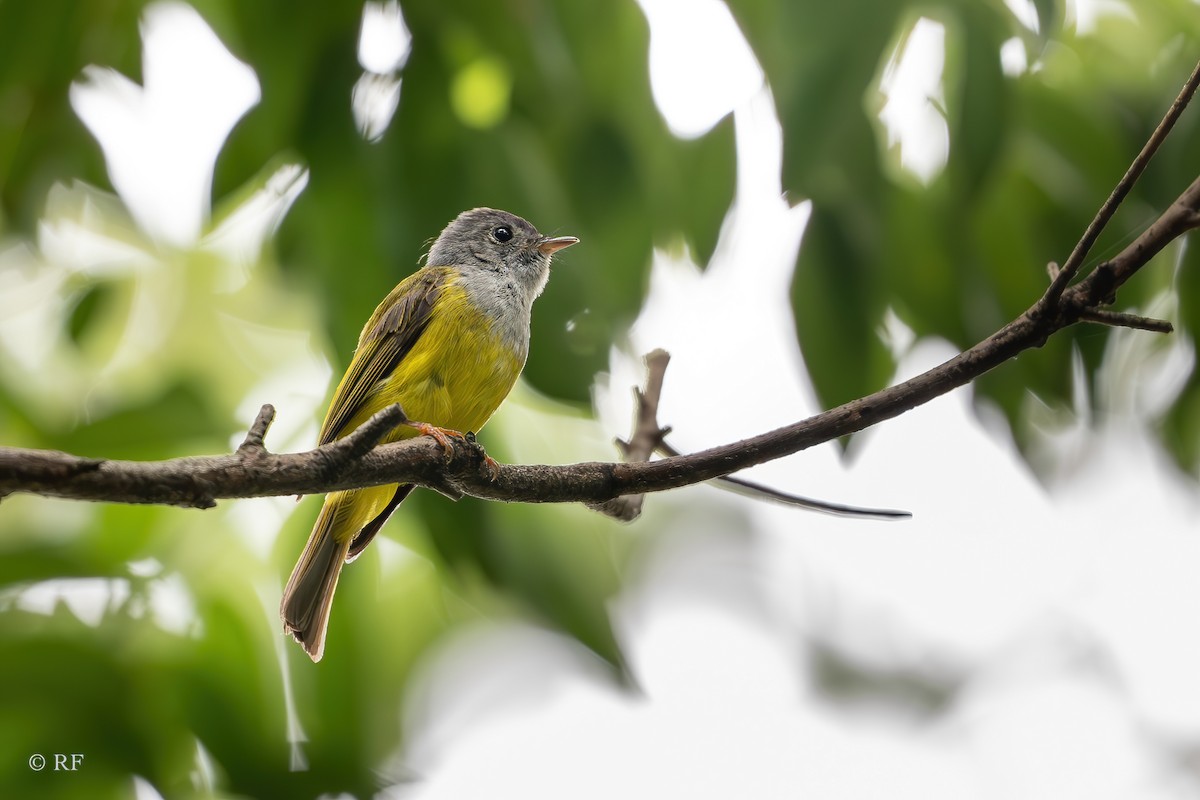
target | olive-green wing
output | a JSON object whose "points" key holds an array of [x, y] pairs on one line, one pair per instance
{"points": [[387, 337]]}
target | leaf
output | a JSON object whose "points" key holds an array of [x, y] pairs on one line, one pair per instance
{"points": [[976, 97], [563, 573], [1181, 428], [821, 61], [43, 48], [838, 304], [1050, 16], [93, 297]]}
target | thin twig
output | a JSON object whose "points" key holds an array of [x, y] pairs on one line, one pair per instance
{"points": [[253, 443], [1122, 189], [363, 439], [758, 491], [647, 436], [647, 433], [1118, 319]]}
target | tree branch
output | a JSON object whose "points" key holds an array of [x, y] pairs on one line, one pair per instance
{"points": [[355, 461], [1116, 319]]}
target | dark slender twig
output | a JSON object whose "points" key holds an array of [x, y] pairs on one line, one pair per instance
{"points": [[1122, 189], [759, 491], [1118, 319]]}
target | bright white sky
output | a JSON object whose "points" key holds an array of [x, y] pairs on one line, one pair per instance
{"points": [[1070, 621]]}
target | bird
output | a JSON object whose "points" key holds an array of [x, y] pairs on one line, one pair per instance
{"points": [[447, 344]]}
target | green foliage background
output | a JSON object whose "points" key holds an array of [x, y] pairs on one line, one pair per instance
{"points": [[580, 148]]}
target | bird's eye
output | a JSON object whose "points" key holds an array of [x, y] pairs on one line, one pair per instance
{"points": [[503, 233]]}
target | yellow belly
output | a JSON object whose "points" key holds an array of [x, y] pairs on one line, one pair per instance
{"points": [[456, 375]]}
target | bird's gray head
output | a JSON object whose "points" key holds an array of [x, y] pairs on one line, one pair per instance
{"points": [[501, 243]]}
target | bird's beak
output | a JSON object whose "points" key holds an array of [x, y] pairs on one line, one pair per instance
{"points": [[550, 246]]}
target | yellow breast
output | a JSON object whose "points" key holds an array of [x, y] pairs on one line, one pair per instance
{"points": [[457, 373]]}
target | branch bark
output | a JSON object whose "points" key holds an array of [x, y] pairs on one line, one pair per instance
{"points": [[355, 461]]}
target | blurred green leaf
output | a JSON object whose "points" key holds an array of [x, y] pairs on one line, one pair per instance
{"points": [[164, 424], [92, 298], [1181, 428], [561, 572], [839, 301], [821, 60], [43, 48], [977, 96], [1050, 15]]}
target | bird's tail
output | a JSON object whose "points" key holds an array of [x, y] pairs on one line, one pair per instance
{"points": [[309, 593]]}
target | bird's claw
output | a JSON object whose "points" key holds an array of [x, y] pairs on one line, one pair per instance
{"points": [[440, 435], [443, 436]]}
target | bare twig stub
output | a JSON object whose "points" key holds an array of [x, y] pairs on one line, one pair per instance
{"points": [[358, 460], [647, 436], [253, 443]]}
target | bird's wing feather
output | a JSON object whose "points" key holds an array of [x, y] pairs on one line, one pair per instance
{"points": [[387, 337]]}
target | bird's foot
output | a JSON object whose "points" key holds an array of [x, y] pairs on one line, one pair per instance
{"points": [[440, 435]]}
